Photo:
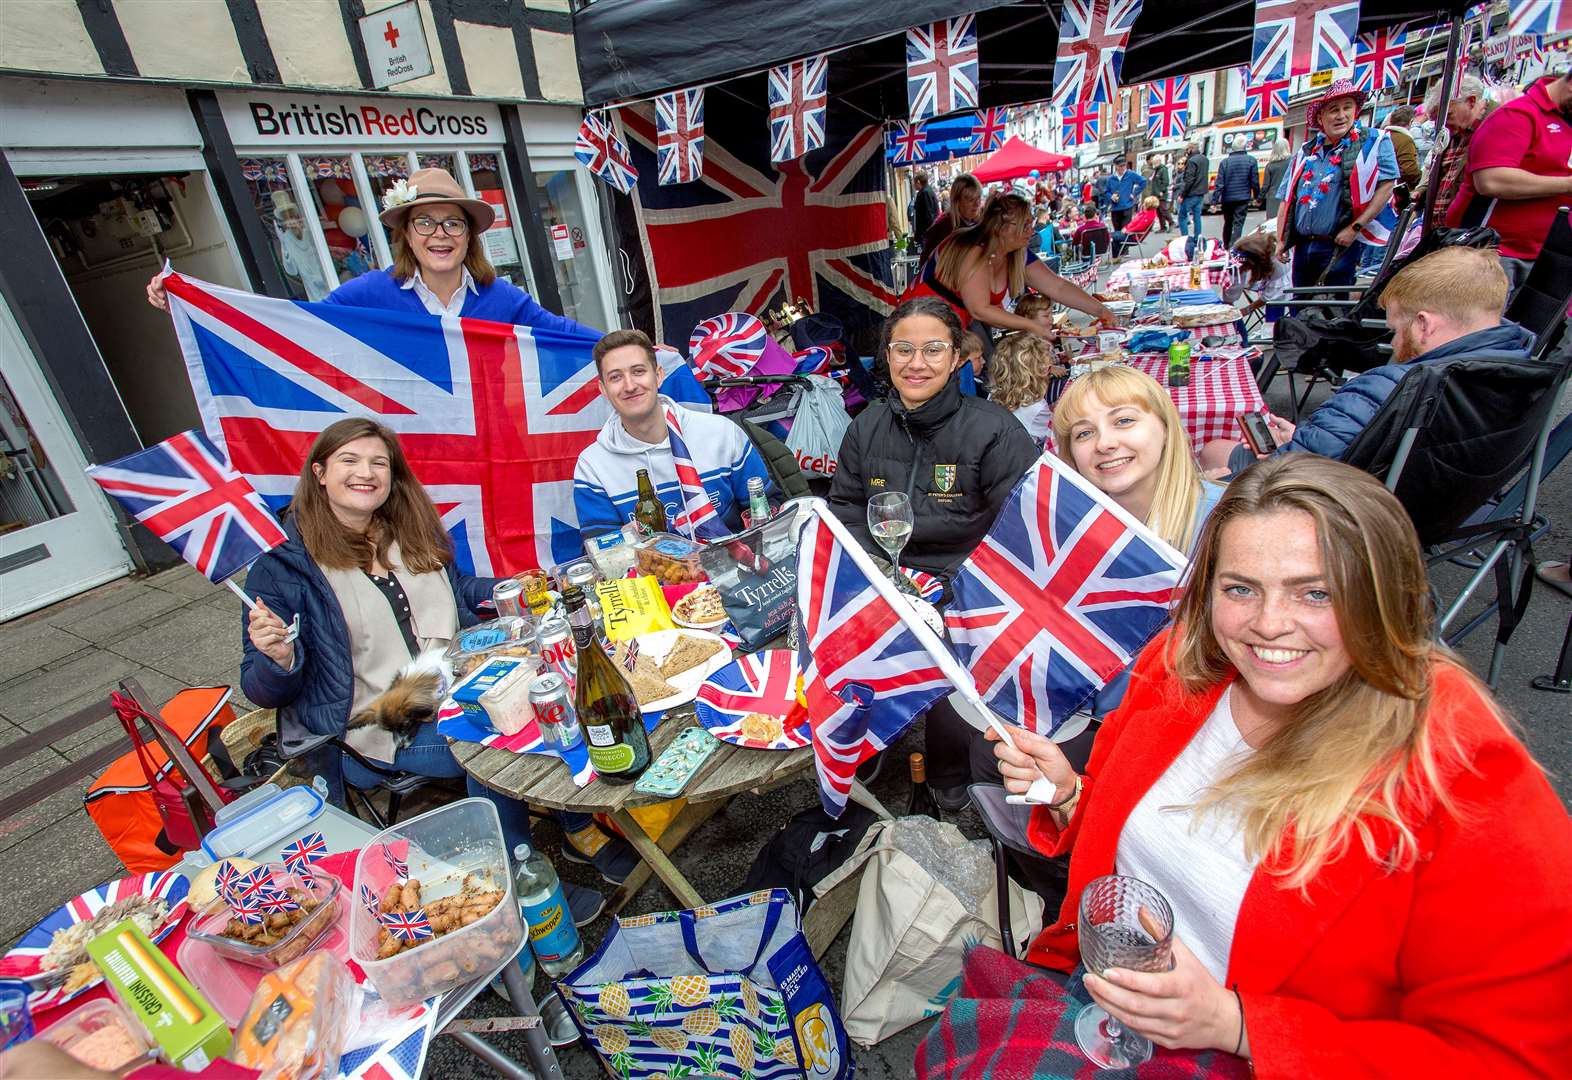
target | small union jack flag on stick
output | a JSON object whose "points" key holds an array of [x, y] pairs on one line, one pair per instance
{"points": [[407, 925], [399, 867], [224, 880], [299, 855], [630, 657], [368, 900], [247, 909], [275, 901], [699, 516]]}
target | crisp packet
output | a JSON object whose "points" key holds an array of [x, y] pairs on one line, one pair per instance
{"points": [[632, 606]]}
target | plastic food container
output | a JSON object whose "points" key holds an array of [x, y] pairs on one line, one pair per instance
{"points": [[90, 1035], [440, 848], [512, 635], [208, 927], [254, 825], [671, 559]]}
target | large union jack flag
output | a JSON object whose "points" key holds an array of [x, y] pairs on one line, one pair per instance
{"points": [[492, 416], [1080, 123], [1265, 99], [1092, 36], [941, 67], [1378, 58], [1298, 37], [602, 153], [1168, 108], [190, 497], [865, 673], [1059, 597], [988, 130], [911, 143], [1541, 17], [797, 98], [679, 119]]}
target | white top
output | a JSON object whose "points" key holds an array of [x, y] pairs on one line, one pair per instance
{"points": [[434, 305], [1199, 864], [1037, 418]]}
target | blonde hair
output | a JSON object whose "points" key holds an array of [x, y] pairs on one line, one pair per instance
{"points": [[1359, 758], [1463, 284], [1018, 370], [1149, 203], [981, 239], [971, 344], [1172, 513]]}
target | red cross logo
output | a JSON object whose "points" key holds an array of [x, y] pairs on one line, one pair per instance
{"points": [[391, 35]]}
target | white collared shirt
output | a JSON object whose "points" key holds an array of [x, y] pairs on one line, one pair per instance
{"points": [[433, 303]]}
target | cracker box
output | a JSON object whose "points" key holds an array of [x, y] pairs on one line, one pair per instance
{"points": [[189, 1031]]}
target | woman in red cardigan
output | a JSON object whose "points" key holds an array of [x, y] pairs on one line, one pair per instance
{"points": [[1369, 873]]}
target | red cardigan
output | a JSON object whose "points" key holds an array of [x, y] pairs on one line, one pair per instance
{"points": [[1460, 966]]}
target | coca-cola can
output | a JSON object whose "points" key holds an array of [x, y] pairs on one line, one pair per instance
{"points": [[553, 707], [554, 639], [508, 595]]}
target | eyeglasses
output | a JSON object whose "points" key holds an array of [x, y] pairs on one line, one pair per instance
{"points": [[453, 226], [904, 351]]}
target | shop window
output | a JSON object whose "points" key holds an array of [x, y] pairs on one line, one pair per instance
{"points": [[437, 161], [500, 241], [570, 255], [30, 493], [290, 244], [345, 224]]}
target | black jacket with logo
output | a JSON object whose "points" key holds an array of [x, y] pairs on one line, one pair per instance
{"points": [[957, 456]]}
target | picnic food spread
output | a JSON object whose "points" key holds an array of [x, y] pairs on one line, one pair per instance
{"points": [[294, 1028], [701, 607], [472, 903], [689, 652]]}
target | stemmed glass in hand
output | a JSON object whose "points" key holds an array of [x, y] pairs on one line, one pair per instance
{"points": [[890, 521], [1125, 923]]}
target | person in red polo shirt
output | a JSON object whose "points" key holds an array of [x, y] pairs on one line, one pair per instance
{"points": [[1520, 166]]}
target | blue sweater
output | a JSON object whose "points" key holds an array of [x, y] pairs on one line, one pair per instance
{"points": [[1123, 190], [501, 301], [1332, 429]]}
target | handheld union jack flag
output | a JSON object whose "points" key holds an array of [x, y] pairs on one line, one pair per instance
{"points": [[699, 518], [911, 143], [1378, 58], [1059, 597], [728, 344], [1080, 123], [1168, 108], [764, 683], [988, 130], [1298, 37], [797, 98], [866, 672], [407, 925], [605, 155], [679, 135], [1092, 36], [1543, 17], [1266, 99], [187, 494], [941, 67]]}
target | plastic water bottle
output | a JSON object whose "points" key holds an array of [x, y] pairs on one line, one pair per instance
{"points": [[552, 934]]}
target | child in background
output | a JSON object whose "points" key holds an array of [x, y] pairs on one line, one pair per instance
{"points": [[973, 363], [1020, 381], [1039, 309]]}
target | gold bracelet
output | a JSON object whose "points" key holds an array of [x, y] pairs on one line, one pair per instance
{"points": [[1075, 793]]}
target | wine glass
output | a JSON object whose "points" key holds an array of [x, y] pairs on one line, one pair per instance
{"points": [[1138, 286], [1125, 923], [890, 521]]}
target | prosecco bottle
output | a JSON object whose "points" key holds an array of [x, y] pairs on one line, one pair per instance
{"points": [[609, 714], [648, 511]]}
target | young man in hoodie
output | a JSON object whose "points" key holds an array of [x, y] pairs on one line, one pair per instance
{"points": [[605, 481]]}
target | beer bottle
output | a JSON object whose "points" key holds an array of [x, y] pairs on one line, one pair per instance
{"points": [[922, 800], [609, 715], [648, 511]]}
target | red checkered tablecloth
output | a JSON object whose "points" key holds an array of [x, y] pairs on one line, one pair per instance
{"points": [[1177, 276]]}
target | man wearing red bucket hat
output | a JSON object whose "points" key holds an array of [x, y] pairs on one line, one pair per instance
{"points": [[1340, 180]]}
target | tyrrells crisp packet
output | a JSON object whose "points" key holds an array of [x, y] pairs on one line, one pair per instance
{"points": [[188, 1030]]}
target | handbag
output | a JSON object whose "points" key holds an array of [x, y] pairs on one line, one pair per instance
{"points": [[186, 800], [728, 990]]}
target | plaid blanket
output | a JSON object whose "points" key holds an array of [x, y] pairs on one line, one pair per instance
{"points": [[1012, 1021]]}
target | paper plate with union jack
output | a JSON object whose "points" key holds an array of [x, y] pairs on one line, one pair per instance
{"points": [[752, 702], [25, 961]]}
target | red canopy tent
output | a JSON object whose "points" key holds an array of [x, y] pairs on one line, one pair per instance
{"points": [[1017, 158]]}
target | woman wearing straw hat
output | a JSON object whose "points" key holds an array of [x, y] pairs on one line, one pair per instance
{"points": [[438, 265], [1339, 182]]}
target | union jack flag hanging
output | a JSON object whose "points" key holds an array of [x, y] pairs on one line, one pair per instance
{"points": [[1168, 108], [728, 344], [1080, 123], [605, 155], [797, 105], [866, 675], [911, 143], [188, 495], [1378, 58], [1298, 37], [1543, 17], [988, 131], [406, 925], [699, 518], [679, 138], [1092, 36], [1059, 597], [1264, 100], [941, 67]]}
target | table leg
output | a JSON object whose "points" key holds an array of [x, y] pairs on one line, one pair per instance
{"points": [[656, 858], [682, 826], [500, 1063]]}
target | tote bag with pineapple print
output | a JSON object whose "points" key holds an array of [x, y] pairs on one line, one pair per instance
{"points": [[730, 990]]}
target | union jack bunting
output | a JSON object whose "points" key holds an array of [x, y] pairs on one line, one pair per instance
{"points": [[605, 155], [1378, 58], [911, 143], [1265, 100], [189, 496], [406, 925], [1298, 37], [1168, 108], [988, 130], [679, 135], [941, 67], [1059, 597], [1543, 17], [698, 518], [1092, 36], [866, 675], [1080, 123], [728, 344], [797, 97]]}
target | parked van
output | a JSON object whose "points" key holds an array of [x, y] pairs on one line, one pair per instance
{"points": [[1221, 139]]}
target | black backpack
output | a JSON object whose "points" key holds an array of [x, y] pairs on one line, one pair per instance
{"points": [[805, 850]]}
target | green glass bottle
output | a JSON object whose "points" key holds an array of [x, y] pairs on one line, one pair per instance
{"points": [[648, 511], [609, 715]]}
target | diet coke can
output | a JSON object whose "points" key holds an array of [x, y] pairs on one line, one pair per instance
{"points": [[553, 708], [554, 639], [508, 595]]}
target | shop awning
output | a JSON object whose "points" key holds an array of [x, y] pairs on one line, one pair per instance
{"points": [[1017, 158]]}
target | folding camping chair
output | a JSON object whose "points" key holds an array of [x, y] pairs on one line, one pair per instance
{"points": [[297, 743]]}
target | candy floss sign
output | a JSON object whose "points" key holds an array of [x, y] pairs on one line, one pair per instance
{"points": [[281, 120]]}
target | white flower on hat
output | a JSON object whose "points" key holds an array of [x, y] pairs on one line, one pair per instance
{"points": [[400, 193]]}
